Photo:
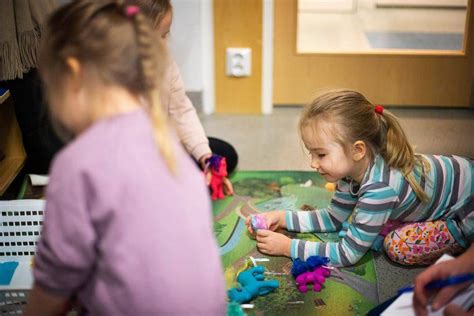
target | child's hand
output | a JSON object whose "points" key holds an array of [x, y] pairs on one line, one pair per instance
{"points": [[274, 220], [272, 243]]}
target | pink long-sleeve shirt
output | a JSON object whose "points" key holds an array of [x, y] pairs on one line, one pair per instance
{"points": [[125, 235], [182, 113]]}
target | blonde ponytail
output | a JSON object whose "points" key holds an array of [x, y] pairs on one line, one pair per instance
{"points": [[399, 154]]}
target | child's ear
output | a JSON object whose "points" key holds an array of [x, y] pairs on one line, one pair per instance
{"points": [[359, 149], [75, 70]]}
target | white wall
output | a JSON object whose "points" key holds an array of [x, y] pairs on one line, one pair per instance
{"points": [[186, 42]]}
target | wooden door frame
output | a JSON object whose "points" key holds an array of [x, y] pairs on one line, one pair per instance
{"points": [[293, 71]]}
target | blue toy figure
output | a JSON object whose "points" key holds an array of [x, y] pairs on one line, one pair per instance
{"points": [[313, 262], [252, 285]]}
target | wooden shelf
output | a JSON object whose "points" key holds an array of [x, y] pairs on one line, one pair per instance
{"points": [[9, 168], [11, 144], [4, 97]]}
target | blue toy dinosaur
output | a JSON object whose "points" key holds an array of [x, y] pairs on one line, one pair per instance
{"points": [[253, 284]]}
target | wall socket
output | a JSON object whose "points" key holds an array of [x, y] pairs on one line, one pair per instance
{"points": [[239, 61]]}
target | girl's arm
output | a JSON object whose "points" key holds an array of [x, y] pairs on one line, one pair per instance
{"points": [[371, 213], [329, 219], [66, 251], [182, 112]]}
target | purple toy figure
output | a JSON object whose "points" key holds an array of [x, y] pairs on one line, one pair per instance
{"points": [[257, 222], [316, 277], [218, 167]]}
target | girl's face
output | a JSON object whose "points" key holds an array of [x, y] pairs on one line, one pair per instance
{"points": [[327, 155]]}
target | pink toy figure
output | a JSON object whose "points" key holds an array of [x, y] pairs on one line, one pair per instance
{"points": [[257, 222], [316, 277], [218, 167]]}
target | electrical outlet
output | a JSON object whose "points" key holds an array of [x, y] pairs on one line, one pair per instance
{"points": [[239, 62]]}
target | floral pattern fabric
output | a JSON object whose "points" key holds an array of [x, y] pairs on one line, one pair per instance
{"points": [[420, 243]]}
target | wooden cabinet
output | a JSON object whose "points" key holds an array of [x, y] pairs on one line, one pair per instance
{"points": [[11, 144]]}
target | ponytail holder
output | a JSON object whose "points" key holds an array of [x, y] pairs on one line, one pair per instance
{"points": [[131, 10], [379, 109]]}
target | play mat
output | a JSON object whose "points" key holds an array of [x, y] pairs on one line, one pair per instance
{"points": [[348, 291]]}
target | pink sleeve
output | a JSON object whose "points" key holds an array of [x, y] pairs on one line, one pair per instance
{"points": [[65, 253], [183, 114]]}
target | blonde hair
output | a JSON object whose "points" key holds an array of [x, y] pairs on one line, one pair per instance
{"points": [[113, 47], [356, 119], [154, 9]]}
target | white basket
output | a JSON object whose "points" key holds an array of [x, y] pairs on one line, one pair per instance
{"points": [[21, 222]]}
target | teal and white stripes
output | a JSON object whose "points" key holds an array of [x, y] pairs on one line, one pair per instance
{"points": [[385, 194]]}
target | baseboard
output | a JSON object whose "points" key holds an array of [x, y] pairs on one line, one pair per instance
{"points": [[196, 99]]}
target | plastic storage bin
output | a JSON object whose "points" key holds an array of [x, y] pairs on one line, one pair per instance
{"points": [[21, 224]]}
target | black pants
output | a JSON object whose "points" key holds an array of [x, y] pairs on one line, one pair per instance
{"points": [[226, 150], [39, 139]]}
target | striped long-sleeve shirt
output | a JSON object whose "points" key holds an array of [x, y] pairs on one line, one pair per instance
{"points": [[385, 194]]}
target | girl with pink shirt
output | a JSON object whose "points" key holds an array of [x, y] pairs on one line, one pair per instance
{"points": [[122, 188]]}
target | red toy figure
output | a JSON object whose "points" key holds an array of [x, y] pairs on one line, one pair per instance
{"points": [[218, 167]]}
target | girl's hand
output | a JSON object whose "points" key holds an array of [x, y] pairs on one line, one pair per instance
{"points": [[274, 220], [203, 159], [272, 243]]}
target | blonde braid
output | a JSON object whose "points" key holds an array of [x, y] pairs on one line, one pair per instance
{"points": [[151, 71]]}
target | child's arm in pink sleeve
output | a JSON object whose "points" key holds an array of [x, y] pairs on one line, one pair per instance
{"points": [[66, 250]]}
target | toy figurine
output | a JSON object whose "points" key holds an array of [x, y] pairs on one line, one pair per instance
{"points": [[257, 222], [316, 277], [252, 284], [331, 187], [218, 167], [300, 266], [312, 271], [234, 309]]}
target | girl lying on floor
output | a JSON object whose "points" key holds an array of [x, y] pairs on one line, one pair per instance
{"points": [[380, 181]]}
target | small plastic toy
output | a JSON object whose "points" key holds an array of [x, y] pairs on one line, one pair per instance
{"points": [[312, 271], [218, 167], [257, 222], [300, 266], [330, 186], [234, 309], [252, 284], [316, 277]]}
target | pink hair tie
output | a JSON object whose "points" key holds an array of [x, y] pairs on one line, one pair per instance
{"points": [[131, 10], [379, 109]]}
